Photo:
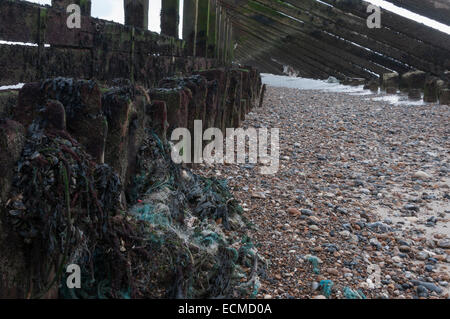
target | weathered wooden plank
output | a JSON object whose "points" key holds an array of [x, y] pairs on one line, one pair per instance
{"points": [[136, 13], [226, 39], [338, 22], [73, 62], [190, 17], [279, 61], [302, 56], [305, 67], [19, 21], [330, 55], [438, 10], [398, 23], [369, 59], [246, 55], [20, 64], [256, 46], [66, 62], [202, 28], [221, 31], [170, 17], [212, 32], [57, 33], [365, 42], [23, 22]]}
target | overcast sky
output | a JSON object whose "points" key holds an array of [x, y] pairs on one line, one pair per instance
{"points": [[113, 10]]}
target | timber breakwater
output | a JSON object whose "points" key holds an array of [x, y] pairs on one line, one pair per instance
{"points": [[87, 180]]}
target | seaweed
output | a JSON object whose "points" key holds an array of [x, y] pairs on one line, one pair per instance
{"points": [[65, 207], [184, 207], [176, 238]]}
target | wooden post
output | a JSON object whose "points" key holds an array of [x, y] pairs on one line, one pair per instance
{"points": [[218, 30], [226, 39], [136, 13], [230, 52], [212, 31], [202, 27], [41, 39], [190, 17], [170, 17], [222, 33]]}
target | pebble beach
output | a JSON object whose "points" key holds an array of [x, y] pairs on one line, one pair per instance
{"points": [[360, 205]]}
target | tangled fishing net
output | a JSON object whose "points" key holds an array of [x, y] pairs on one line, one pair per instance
{"points": [[182, 237], [67, 210], [211, 254]]}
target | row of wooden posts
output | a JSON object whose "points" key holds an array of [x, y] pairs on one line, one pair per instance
{"points": [[207, 27]]}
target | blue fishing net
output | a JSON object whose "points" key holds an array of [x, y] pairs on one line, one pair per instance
{"points": [[315, 263], [353, 294], [147, 213], [326, 286]]}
